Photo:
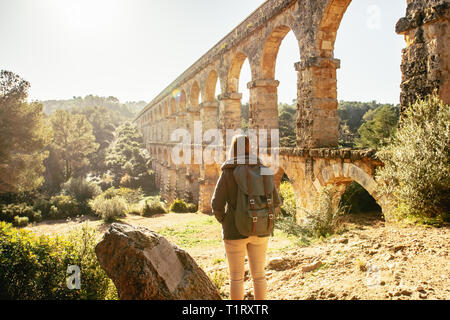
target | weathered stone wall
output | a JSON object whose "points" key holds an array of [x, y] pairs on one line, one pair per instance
{"points": [[425, 62], [316, 162]]}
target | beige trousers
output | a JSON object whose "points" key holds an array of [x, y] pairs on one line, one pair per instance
{"points": [[236, 251]]}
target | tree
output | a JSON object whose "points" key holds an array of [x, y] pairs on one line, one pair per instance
{"points": [[128, 161], [380, 125], [104, 122], [23, 136], [416, 172], [287, 125], [73, 141]]}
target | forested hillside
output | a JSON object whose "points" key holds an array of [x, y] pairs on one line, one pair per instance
{"points": [[127, 110]]}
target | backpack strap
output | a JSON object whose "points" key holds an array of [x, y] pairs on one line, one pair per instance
{"points": [[252, 200], [269, 203]]}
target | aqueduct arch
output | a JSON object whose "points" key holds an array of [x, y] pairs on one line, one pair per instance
{"points": [[316, 161]]}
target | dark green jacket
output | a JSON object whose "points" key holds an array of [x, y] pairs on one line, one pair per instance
{"points": [[224, 199]]}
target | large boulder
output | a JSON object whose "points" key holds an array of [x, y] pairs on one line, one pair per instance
{"points": [[145, 266]]}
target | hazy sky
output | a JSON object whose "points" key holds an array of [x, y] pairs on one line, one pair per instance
{"points": [[133, 49]]}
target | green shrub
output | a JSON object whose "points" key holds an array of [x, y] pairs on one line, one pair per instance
{"points": [[289, 205], [135, 209], [153, 206], [416, 172], [9, 212], [35, 268], [21, 221], [43, 205], [95, 283], [178, 206], [63, 207], [130, 195], [109, 209], [81, 189], [192, 208], [324, 220], [110, 193]]}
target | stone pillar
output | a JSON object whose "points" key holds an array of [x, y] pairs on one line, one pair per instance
{"points": [[164, 181], [317, 115], [193, 114], [263, 113], [208, 115], [180, 182], [208, 172], [426, 58], [192, 183], [192, 170], [170, 193], [171, 127], [229, 114]]}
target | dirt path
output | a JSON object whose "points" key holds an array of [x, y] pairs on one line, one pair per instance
{"points": [[371, 260]]}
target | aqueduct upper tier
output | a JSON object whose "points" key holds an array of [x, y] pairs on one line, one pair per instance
{"points": [[315, 23]]}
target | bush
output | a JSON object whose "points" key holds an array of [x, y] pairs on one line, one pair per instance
{"points": [[289, 204], [178, 206], [63, 207], [81, 189], [135, 209], [287, 221], [110, 193], [21, 221], [324, 220], [109, 209], [95, 283], [153, 206], [416, 172], [34, 268], [192, 208], [130, 195], [43, 205], [9, 213]]}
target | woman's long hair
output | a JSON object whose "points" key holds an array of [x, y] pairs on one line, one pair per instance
{"points": [[240, 147]]}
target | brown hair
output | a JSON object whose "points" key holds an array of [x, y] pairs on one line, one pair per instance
{"points": [[235, 151]]}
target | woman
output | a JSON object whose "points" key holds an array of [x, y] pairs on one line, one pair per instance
{"points": [[237, 245]]}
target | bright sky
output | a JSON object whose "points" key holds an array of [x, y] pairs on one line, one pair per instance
{"points": [[133, 49]]}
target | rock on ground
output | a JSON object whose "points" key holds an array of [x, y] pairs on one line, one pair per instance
{"points": [[145, 266]]}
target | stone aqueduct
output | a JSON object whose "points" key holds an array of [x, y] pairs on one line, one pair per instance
{"points": [[317, 160]]}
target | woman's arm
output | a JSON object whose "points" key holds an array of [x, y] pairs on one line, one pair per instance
{"points": [[219, 199], [276, 201]]}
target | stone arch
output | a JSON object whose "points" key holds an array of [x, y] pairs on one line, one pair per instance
{"points": [[329, 25], [173, 106], [182, 103], [166, 158], [270, 50], [210, 87], [234, 72], [195, 95], [159, 156], [166, 110], [344, 174]]}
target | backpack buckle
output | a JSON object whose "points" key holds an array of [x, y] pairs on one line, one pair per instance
{"points": [[252, 201], [269, 201], [271, 216], [255, 219]]}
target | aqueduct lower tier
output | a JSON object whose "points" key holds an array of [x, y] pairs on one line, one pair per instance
{"points": [[316, 161]]}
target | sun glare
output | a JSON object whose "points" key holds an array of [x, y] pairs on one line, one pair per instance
{"points": [[88, 15]]}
